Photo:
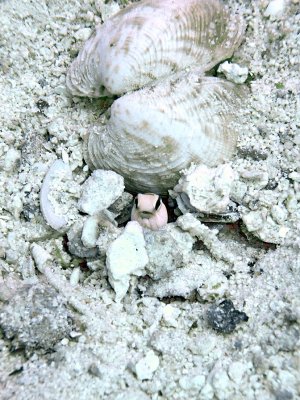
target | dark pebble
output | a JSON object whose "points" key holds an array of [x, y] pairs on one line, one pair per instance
{"points": [[224, 318]]}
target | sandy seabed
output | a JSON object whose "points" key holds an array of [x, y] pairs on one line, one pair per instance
{"points": [[62, 340]]}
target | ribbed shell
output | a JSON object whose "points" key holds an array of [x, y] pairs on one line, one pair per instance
{"points": [[157, 131], [153, 39]]}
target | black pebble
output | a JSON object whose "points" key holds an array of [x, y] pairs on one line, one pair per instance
{"points": [[224, 318]]}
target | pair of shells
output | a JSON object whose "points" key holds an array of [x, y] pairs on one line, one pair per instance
{"points": [[179, 116]]}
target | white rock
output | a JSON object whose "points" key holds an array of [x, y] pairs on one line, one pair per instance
{"points": [[132, 394], [236, 371], [107, 10], [40, 256], [205, 189], [99, 191], [83, 34], [287, 379], [259, 178], [55, 197], [90, 232], [275, 8], [292, 203], [168, 250], [283, 231], [188, 222], [147, 366], [192, 382], [295, 176], [170, 315], [207, 393], [75, 276], [238, 191], [223, 387], [126, 256], [11, 160], [279, 213], [234, 72], [254, 220], [16, 206]]}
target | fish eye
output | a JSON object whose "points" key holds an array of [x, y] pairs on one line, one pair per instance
{"points": [[158, 203]]}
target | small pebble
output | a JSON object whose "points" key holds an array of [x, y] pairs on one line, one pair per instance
{"points": [[170, 315], [100, 191], [275, 8], [95, 370], [75, 275], [224, 318], [234, 72], [90, 232], [147, 366]]}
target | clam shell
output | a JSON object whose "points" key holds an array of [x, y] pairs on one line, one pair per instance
{"points": [[153, 39], [155, 132]]}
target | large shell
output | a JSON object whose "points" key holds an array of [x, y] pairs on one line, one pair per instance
{"points": [[157, 131], [153, 39]]}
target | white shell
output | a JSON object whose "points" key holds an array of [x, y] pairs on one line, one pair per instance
{"points": [[153, 39], [58, 170], [158, 131]]}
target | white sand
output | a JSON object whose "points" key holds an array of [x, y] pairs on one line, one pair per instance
{"points": [[39, 123]]}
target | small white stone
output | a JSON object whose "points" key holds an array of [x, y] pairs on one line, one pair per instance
{"points": [[99, 191], [291, 203], [234, 72], [107, 10], [40, 256], [83, 34], [192, 382], [147, 366], [222, 385], [54, 183], [11, 160], [238, 191], [260, 178], [283, 231], [207, 189], [254, 220], [16, 206], [126, 256], [236, 371], [75, 275], [170, 314], [65, 156], [90, 232], [295, 176], [75, 334], [296, 139], [287, 379], [279, 213], [207, 392], [275, 8]]}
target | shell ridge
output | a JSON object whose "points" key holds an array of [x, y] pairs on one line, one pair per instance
{"points": [[171, 36], [183, 117]]}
